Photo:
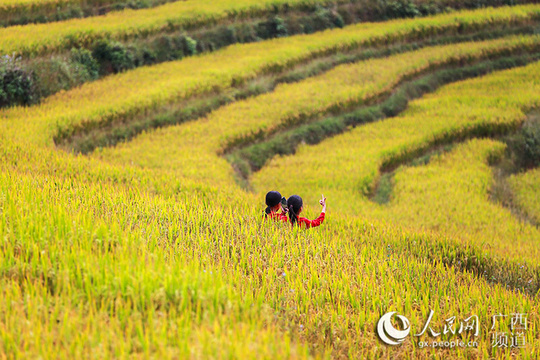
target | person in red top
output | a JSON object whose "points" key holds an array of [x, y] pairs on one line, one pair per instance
{"points": [[274, 203], [295, 206]]}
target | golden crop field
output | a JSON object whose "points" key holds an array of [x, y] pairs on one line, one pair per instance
{"points": [[481, 106], [127, 94], [157, 247], [22, 12], [188, 147], [43, 38], [14, 3], [45, 11], [29, 4]]}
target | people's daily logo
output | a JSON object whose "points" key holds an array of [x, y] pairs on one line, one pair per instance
{"points": [[456, 332], [388, 333]]}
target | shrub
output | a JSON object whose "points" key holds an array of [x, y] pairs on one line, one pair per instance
{"points": [[401, 9], [245, 33], [113, 56], [168, 48], [138, 4], [273, 28], [525, 144], [53, 75], [16, 84], [189, 45], [320, 20], [84, 58], [327, 19], [215, 39]]}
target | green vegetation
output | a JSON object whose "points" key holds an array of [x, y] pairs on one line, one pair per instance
{"points": [[252, 157], [48, 60]]}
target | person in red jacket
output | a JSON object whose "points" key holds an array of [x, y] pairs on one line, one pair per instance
{"points": [[295, 206], [274, 203]]}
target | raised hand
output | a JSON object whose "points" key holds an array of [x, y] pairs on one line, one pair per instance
{"points": [[323, 203]]}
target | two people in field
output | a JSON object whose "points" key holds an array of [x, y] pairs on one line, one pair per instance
{"points": [[289, 210]]}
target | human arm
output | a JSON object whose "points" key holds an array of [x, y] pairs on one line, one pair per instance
{"points": [[323, 204], [319, 220]]}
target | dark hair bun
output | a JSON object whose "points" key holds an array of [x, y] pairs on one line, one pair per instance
{"points": [[295, 202], [273, 198]]}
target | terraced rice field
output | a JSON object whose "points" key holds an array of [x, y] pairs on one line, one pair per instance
{"points": [[131, 206]]}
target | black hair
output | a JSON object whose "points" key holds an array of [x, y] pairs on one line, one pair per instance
{"points": [[294, 203], [272, 199]]}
